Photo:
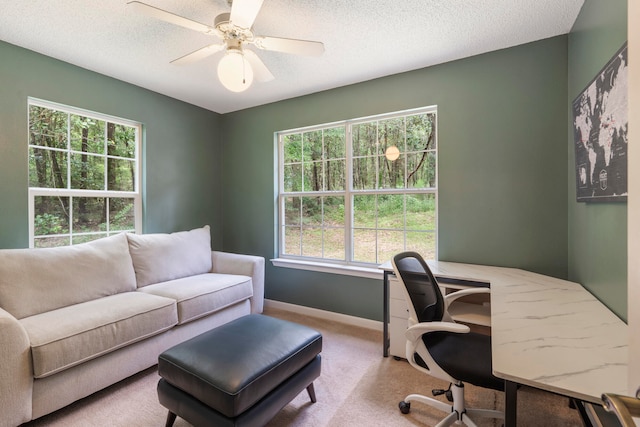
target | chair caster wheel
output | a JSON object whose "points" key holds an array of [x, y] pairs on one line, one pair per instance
{"points": [[404, 407]]}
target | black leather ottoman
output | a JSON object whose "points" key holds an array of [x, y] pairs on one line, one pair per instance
{"points": [[239, 374]]}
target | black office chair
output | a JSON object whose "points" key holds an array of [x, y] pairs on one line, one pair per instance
{"points": [[438, 346]]}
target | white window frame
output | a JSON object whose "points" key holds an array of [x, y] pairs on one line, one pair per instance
{"points": [[136, 194], [348, 266]]}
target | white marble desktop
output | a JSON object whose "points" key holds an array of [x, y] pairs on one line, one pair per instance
{"points": [[549, 333]]}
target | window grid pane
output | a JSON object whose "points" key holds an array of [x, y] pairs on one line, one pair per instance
{"points": [[87, 134], [53, 216], [47, 127], [48, 168]]}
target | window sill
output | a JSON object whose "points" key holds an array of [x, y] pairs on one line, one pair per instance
{"points": [[325, 267]]}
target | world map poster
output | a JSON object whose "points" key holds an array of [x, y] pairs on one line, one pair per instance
{"points": [[600, 126]]}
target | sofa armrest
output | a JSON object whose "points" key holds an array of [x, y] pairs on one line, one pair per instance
{"points": [[16, 374], [247, 265]]}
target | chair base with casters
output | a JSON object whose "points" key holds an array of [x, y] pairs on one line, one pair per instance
{"points": [[457, 410]]}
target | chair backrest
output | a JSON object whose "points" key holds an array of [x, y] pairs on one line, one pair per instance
{"points": [[421, 286]]}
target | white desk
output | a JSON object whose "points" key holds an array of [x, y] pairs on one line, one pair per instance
{"points": [[548, 333]]}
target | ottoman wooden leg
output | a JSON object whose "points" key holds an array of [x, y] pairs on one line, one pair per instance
{"points": [[312, 392], [171, 418]]}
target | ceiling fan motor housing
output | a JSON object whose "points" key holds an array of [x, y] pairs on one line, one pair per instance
{"points": [[228, 31]]}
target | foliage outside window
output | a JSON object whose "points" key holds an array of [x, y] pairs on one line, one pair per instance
{"points": [[344, 198], [83, 175]]}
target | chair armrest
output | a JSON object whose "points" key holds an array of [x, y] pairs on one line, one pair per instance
{"points": [[416, 345], [467, 312], [16, 374], [247, 265], [415, 332], [449, 298]]}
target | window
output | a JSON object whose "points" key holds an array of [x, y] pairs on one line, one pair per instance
{"points": [[359, 191], [84, 175]]}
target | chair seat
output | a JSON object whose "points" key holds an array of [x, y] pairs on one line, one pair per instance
{"points": [[465, 356]]}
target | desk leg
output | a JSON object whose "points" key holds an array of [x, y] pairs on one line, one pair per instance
{"points": [[385, 315], [510, 403]]}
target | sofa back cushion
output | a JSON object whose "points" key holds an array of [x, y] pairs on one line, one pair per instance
{"points": [[161, 257], [33, 281]]}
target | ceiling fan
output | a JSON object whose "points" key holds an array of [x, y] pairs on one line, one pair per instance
{"points": [[239, 66]]}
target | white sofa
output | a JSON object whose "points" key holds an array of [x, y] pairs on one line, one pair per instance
{"points": [[76, 319]]}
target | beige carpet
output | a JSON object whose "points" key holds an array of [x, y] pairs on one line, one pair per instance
{"points": [[358, 387]]}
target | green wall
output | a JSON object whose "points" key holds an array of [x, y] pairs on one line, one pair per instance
{"points": [[506, 161], [597, 231], [181, 146], [502, 121]]}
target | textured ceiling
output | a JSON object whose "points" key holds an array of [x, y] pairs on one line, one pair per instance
{"points": [[364, 39]]}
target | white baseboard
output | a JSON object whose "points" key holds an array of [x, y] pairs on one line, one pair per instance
{"points": [[323, 314]]}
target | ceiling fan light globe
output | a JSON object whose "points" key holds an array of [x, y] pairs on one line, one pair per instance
{"points": [[235, 72]]}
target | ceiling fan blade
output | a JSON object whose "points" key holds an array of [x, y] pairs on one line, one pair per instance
{"points": [[299, 47], [198, 54], [244, 12], [260, 71], [172, 18]]}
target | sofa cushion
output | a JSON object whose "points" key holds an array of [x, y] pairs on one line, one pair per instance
{"points": [[161, 257], [203, 294], [34, 281], [71, 335]]}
